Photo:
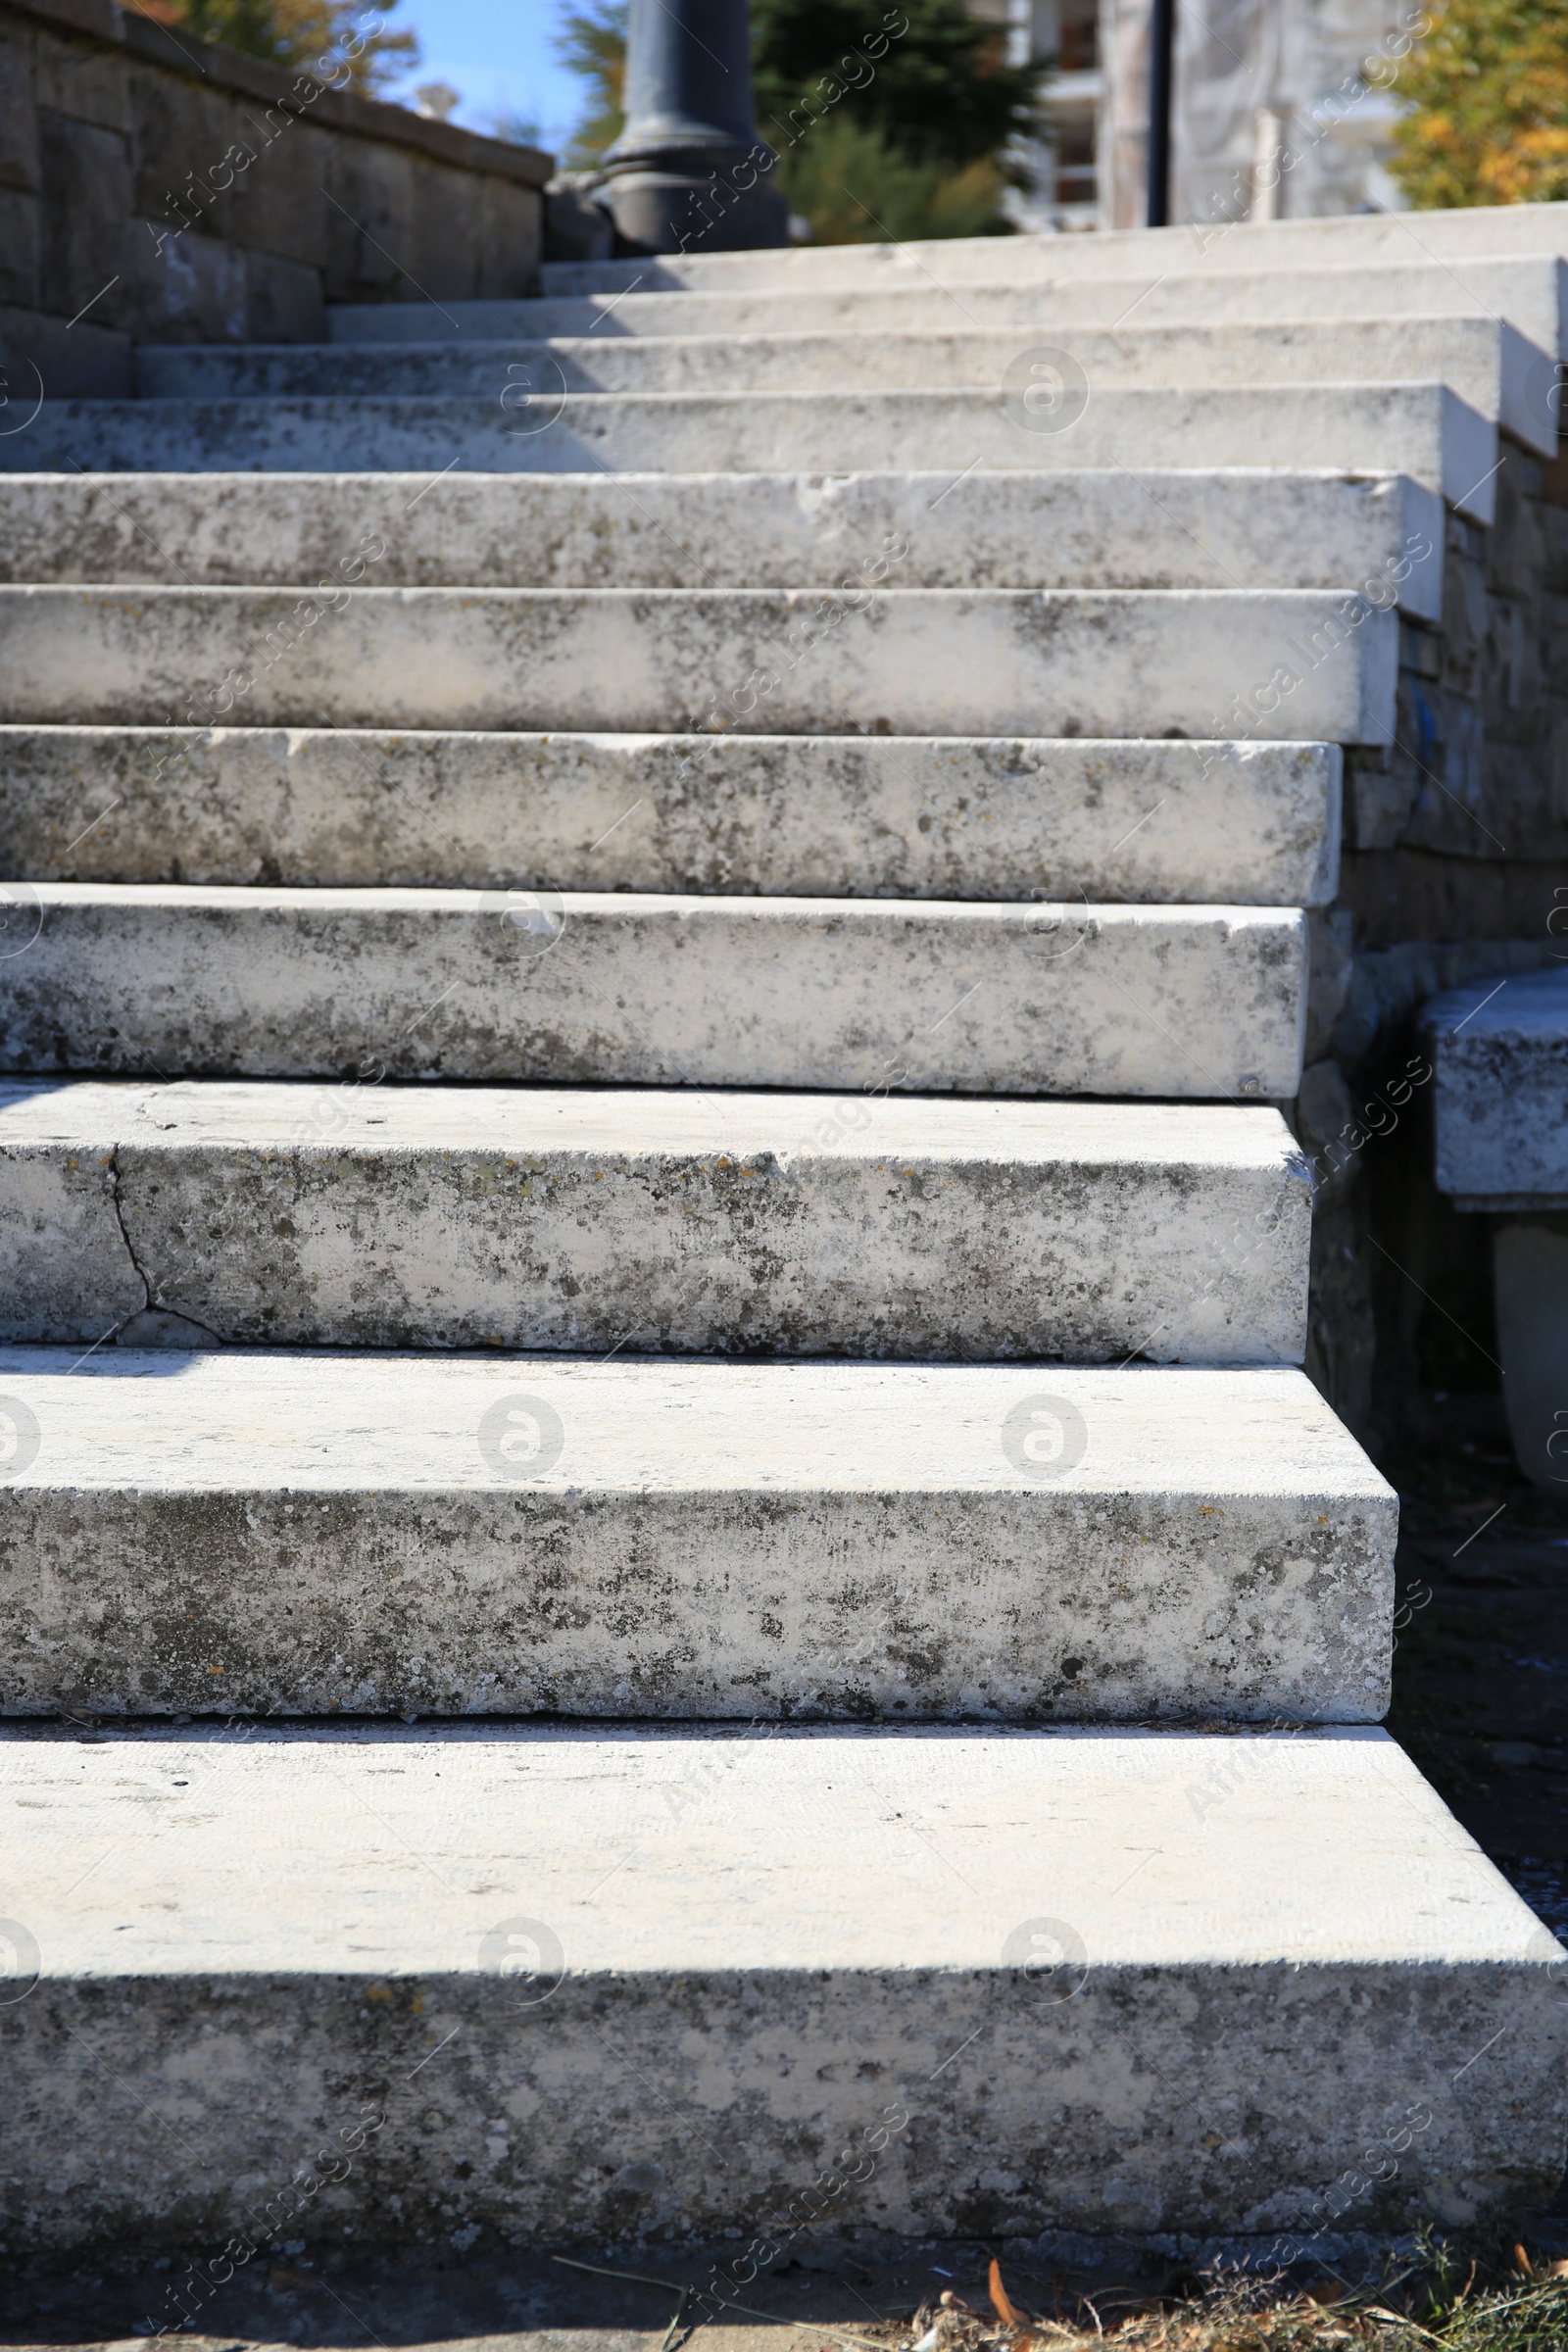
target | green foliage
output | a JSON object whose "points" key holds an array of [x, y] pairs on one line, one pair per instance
{"points": [[855, 189], [887, 123], [940, 92], [298, 32], [592, 44], [1487, 89]]}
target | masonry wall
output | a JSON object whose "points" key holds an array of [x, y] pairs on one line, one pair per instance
{"points": [[1456, 867], [154, 188]]}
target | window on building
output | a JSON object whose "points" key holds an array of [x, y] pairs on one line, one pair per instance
{"points": [[1079, 37], [1075, 161]]}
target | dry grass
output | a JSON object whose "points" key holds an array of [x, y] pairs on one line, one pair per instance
{"points": [[1441, 2298]]}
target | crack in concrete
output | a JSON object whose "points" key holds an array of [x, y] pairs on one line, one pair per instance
{"points": [[117, 1207], [151, 1303]]}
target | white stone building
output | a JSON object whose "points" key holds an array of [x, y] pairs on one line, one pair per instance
{"points": [[1282, 108]]}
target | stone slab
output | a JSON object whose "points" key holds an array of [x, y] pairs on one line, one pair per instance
{"points": [[299, 1535], [567, 1985], [1282, 665], [1499, 1096], [1422, 430], [1488, 363], [802, 1225], [643, 990], [1226, 528], [823, 816], [1479, 233], [1532, 295]]}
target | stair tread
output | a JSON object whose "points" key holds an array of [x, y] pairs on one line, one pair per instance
{"points": [[1151, 820], [1422, 429], [688, 1540], [1155, 528], [1280, 664], [1482, 359], [580, 1220], [1533, 293]]}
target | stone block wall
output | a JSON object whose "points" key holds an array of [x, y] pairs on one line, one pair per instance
{"points": [[154, 188], [1456, 867]]}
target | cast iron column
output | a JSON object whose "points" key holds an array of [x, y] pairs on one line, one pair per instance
{"points": [[688, 174], [1162, 42]]}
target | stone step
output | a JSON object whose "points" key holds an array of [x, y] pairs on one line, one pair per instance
{"points": [[376, 1215], [1532, 295], [815, 815], [623, 989], [1479, 234], [1491, 368], [656, 1540], [1500, 1106], [603, 1982], [1423, 430], [1283, 665], [1228, 528]]}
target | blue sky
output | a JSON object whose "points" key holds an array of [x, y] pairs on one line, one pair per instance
{"points": [[500, 54]]}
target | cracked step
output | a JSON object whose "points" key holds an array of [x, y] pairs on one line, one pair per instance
{"points": [[1532, 295], [364, 1215], [1089, 1980], [821, 816], [1488, 363], [1280, 665], [1419, 430], [302, 1535], [1152, 528], [634, 988]]}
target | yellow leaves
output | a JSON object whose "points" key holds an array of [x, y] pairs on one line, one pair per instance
{"points": [[998, 2299], [1488, 94]]}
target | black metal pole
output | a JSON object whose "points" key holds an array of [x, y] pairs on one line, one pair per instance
{"points": [[688, 172], [1161, 44]]}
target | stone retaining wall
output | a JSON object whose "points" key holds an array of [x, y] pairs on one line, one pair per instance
{"points": [[154, 188], [1456, 867]]}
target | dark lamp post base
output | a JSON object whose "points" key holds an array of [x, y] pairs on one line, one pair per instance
{"points": [[678, 212]]}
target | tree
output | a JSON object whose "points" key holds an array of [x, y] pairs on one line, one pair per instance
{"points": [[1487, 89], [910, 142], [297, 32]]}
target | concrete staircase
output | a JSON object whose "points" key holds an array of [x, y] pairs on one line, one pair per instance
{"points": [[657, 943]]}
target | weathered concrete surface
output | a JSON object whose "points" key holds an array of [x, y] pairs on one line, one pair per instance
{"points": [[1149, 528], [641, 990], [1488, 364], [1288, 666], [1422, 430], [825, 817], [1532, 295], [298, 1534], [1499, 1096], [385, 1216], [572, 1983], [1480, 235]]}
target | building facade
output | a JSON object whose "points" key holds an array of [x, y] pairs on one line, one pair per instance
{"points": [[1283, 108]]}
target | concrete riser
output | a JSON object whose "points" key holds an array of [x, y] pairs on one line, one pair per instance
{"points": [[1419, 429], [1282, 666], [358, 1216], [1149, 529], [687, 1540], [512, 988], [842, 1931], [823, 817]]}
